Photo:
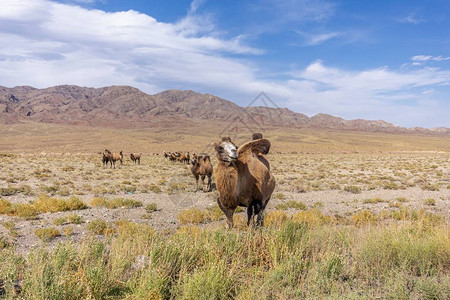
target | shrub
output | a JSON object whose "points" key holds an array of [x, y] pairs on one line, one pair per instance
{"points": [[280, 196], [4, 242], [151, 207], [291, 204], [213, 282], [275, 218], [97, 202], [59, 221], [97, 226], [123, 202], [24, 210], [115, 203], [312, 217], [430, 187], [5, 206], [364, 217], [390, 186], [352, 189], [430, 201], [192, 216], [75, 219], [402, 199], [45, 204], [46, 234], [373, 200], [68, 231], [215, 213]]}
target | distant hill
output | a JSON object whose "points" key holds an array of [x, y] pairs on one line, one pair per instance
{"points": [[128, 107]]}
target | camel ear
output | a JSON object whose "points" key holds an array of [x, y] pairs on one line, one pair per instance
{"points": [[259, 146], [226, 139]]}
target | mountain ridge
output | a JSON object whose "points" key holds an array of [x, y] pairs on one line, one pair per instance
{"points": [[126, 106]]}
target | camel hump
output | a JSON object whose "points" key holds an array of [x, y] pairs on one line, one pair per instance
{"points": [[260, 146]]}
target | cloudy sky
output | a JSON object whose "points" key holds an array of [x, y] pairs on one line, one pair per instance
{"points": [[386, 60]]}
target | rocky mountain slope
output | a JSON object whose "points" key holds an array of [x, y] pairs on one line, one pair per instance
{"points": [[124, 106]]}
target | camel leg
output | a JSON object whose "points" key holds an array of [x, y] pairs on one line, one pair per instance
{"points": [[260, 219], [258, 210], [228, 213], [203, 183], [249, 213], [196, 183], [209, 184]]}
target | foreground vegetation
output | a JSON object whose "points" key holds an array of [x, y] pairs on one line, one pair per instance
{"points": [[293, 258]]}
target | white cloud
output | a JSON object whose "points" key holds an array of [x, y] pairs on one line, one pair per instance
{"points": [[374, 94], [412, 19], [424, 58], [46, 43], [317, 39]]}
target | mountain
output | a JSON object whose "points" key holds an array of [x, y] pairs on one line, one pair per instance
{"points": [[125, 106]]}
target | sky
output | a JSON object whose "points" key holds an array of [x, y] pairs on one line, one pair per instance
{"points": [[355, 59]]}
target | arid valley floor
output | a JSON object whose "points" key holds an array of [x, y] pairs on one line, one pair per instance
{"points": [[338, 173], [49, 172]]}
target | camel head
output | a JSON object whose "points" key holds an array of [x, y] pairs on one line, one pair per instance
{"points": [[226, 151]]}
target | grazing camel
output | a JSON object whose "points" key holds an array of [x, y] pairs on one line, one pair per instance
{"points": [[166, 155], [184, 158], [115, 157], [107, 157], [243, 178], [172, 156], [201, 168], [136, 158]]}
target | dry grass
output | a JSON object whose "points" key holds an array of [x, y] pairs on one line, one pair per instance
{"points": [[192, 216], [47, 234], [45, 204]]}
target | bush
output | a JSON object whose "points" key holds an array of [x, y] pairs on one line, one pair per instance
{"points": [[45, 204], [46, 234], [352, 189], [74, 219], [312, 217], [97, 226], [291, 204], [151, 207], [192, 216], [373, 201], [275, 218], [98, 202], [430, 201], [364, 217]]}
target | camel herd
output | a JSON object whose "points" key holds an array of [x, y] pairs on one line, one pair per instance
{"points": [[242, 174]]}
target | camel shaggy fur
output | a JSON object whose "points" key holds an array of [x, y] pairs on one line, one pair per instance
{"points": [[136, 158], [115, 157], [107, 158], [243, 178], [201, 168]]}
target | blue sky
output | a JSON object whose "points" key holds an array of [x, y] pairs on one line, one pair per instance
{"points": [[386, 60]]}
